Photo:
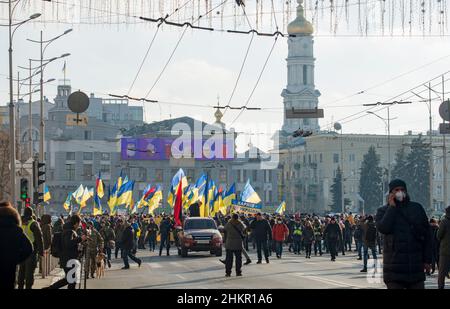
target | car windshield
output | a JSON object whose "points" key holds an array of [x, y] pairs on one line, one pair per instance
{"points": [[199, 225]]}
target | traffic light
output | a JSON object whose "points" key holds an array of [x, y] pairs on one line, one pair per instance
{"points": [[38, 198], [23, 189], [27, 202], [38, 174]]}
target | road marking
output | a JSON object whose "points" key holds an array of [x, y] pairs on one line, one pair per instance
{"points": [[181, 277], [327, 281], [154, 265]]}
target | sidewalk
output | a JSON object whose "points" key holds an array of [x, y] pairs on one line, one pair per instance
{"points": [[54, 276]]}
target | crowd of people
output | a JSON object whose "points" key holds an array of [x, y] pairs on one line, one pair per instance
{"points": [[412, 246]]}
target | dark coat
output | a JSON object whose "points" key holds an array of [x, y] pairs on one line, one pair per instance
{"points": [[366, 237], [261, 230], [407, 243], [165, 227], [332, 232], [234, 230], [443, 235], [70, 241], [308, 235], [127, 241], [14, 246], [46, 227]]}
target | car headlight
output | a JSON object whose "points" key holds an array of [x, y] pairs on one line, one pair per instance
{"points": [[217, 237], [188, 236]]}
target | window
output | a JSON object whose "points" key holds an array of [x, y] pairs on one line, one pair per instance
{"points": [[255, 175], [159, 175], [142, 174], [336, 158], [105, 156], [105, 169], [268, 196], [244, 179], [352, 157], [309, 159], [223, 175], [305, 77], [70, 156], [87, 156], [320, 158], [70, 171], [87, 171], [241, 175], [87, 135], [267, 176]]}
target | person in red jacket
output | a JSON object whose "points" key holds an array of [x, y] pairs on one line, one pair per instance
{"points": [[279, 234]]}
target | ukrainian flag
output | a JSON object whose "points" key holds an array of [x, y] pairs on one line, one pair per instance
{"points": [[78, 194], [155, 200], [99, 188], [229, 196], [125, 194], [281, 209], [112, 200], [179, 177], [67, 202], [249, 195], [218, 201], [47, 195]]}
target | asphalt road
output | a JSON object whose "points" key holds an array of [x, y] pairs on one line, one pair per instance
{"points": [[201, 271]]}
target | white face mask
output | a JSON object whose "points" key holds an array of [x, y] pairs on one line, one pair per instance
{"points": [[400, 196], [279, 222]]}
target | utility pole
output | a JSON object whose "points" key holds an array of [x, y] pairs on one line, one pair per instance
{"points": [[342, 174], [18, 118], [445, 152], [12, 122], [431, 147], [30, 119]]}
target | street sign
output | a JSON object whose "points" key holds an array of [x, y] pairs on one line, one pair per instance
{"points": [[76, 120], [304, 113], [444, 128], [78, 102], [444, 110]]}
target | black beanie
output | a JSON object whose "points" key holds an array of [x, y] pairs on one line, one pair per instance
{"points": [[28, 212], [397, 183]]}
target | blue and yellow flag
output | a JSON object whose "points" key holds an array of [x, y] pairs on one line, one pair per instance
{"points": [[99, 188], [47, 195], [67, 204], [229, 196], [155, 200], [78, 194], [249, 195], [125, 194], [281, 209], [179, 177]]}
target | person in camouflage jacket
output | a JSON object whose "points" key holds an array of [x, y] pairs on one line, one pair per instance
{"points": [[94, 245]]}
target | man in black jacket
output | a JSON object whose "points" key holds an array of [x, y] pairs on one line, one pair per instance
{"points": [[407, 245], [333, 234], [69, 253], [165, 227], [127, 246], [261, 232]]}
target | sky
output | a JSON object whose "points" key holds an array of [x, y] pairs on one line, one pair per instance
{"points": [[105, 58]]}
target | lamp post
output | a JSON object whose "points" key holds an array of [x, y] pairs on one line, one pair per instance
{"points": [[41, 60], [12, 123]]}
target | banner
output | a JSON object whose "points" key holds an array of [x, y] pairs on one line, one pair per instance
{"points": [[245, 207]]}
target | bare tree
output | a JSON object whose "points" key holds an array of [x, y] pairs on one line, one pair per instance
{"points": [[5, 188]]}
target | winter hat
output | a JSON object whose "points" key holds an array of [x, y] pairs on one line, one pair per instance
{"points": [[397, 183], [28, 212]]}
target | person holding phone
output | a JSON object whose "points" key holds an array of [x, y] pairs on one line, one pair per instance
{"points": [[407, 242]]}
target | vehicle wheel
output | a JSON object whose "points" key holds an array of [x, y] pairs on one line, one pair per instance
{"points": [[219, 252], [184, 252]]}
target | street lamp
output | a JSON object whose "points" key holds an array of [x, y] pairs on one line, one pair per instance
{"points": [[41, 60], [12, 140]]}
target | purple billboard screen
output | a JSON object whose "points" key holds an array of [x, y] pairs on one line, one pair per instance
{"points": [[166, 149]]}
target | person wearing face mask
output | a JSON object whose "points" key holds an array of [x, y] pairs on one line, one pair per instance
{"points": [[407, 244], [280, 232]]}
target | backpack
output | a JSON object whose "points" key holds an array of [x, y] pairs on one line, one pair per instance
{"points": [[56, 246], [371, 234]]}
